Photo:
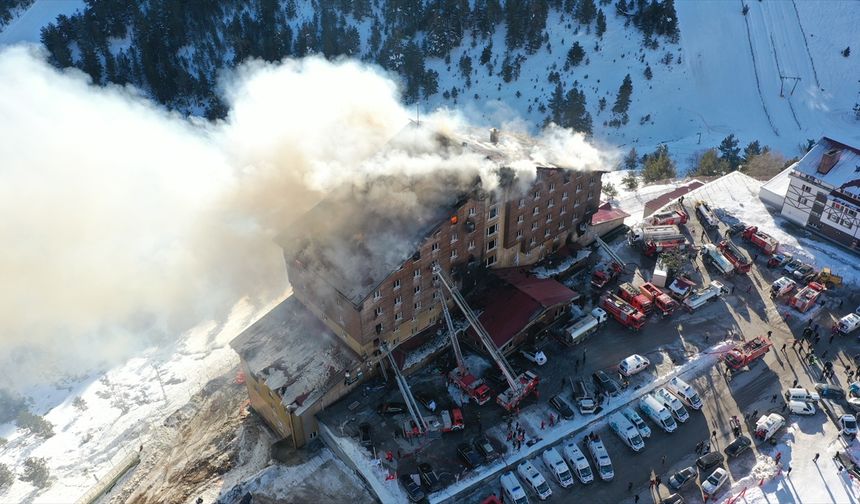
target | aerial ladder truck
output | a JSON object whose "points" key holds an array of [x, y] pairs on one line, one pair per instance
{"points": [[519, 387], [460, 375], [419, 425]]}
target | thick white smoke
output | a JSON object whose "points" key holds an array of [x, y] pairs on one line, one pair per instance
{"points": [[124, 224]]}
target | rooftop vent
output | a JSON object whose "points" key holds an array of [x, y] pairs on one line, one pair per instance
{"points": [[828, 160]]}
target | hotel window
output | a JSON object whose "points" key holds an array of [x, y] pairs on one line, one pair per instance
{"points": [[551, 203], [522, 202], [536, 195], [471, 212], [519, 234], [453, 253], [564, 195], [377, 295], [519, 219], [552, 186], [492, 230], [546, 233], [399, 316], [536, 211], [491, 245], [579, 187], [397, 284], [454, 237], [398, 300], [377, 311], [563, 210], [534, 225], [494, 212], [471, 244], [549, 218], [417, 289], [435, 247], [416, 273], [491, 260], [532, 241], [416, 306]]}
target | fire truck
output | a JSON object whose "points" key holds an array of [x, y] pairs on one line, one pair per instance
{"points": [[660, 299], [742, 355], [739, 259], [519, 386], [805, 298], [760, 239], [605, 273], [622, 312], [669, 217], [656, 239], [706, 216], [630, 293]]}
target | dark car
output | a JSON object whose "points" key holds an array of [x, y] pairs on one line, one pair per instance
{"points": [[485, 448], [364, 434], [738, 446], [428, 476], [391, 408], [682, 478], [709, 460], [673, 499], [828, 391], [427, 401], [804, 272], [413, 489], [736, 228], [561, 405], [606, 384], [468, 455]]}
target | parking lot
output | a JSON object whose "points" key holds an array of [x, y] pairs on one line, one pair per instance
{"points": [[747, 312]]}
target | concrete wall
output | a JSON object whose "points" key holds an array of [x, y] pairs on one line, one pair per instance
{"points": [[267, 403]]}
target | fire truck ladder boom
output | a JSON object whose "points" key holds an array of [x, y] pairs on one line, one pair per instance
{"points": [[455, 343], [411, 403], [611, 253], [491, 347]]}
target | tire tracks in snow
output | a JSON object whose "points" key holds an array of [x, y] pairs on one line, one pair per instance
{"points": [[755, 71]]}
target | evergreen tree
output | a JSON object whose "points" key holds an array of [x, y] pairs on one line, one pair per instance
{"points": [[575, 114], [487, 53], [710, 165], [622, 100], [648, 73], [609, 189], [36, 472], [630, 181], [601, 23], [556, 103], [430, 83], [659, 165], [752, 149], [6, 477], [631, 160], [730, 152], [575, 54], [466, 68], [586, 11], [846, 52]]}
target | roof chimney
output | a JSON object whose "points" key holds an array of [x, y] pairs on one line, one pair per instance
{"points": [[828, 160], [494, 135]]}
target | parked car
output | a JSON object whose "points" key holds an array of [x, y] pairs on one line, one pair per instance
{"points": [[364, 434], [682, 478], [605, 383], [428, 477], [828, 391], [427, 401], [791, 266], [413, 489], [561, 405], [534, 355], [715, 481], [468, 455], [709, 460], [801, 408], [633, 364], [485, 448], [804, 272], [738, 446], [778, 260], [673, 499], [848, 425], [391, 408]]}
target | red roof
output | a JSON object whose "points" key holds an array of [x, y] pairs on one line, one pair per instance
{"points": [[512, 307], [606, 213], [664, 199]]}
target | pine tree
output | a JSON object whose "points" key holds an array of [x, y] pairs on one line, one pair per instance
{"points": [[6, 476], [630, 181], [575, 114], [631, 160], [586, 10], [710, 165], [622, 100], [487, 53], [659, 165], [575, 54], [36, 472], [730, 152], [846, 52], [752, 149], [556, 104], [648, 73], [601, 23]]}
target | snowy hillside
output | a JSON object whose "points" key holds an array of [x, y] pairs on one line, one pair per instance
{"points": [[722, 77]]}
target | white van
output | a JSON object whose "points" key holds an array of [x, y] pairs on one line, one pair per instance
{"points": [[534, 479], [636, 420], [512, 489], [577, 461], [626, 431], [600, 457], [557, 467], [655, 410], [673, 404], [849, 323], [801, 408], [633, 364], [685, 392], [801, 394]]}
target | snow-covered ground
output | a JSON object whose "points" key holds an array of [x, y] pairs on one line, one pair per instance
{"points": [[808, 481], [27, 26], [633, 201], [123, 405]]}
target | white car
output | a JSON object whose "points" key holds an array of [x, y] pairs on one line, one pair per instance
{"points": [[801, 407], [715, 481], [848, 425], [536, 356], [633, 364]]}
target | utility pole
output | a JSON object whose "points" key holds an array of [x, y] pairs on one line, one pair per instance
{"points": [[158, 374]]}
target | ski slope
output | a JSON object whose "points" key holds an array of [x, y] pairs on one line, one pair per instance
{"points": [[27, 26]]}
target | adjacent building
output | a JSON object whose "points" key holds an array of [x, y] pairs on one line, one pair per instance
{"points": [[823, 192]]}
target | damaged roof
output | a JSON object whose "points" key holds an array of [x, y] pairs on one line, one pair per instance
{"points": [[293, 352]]}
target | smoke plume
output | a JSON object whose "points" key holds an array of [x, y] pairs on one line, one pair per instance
{"points": [[125, 224]]}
